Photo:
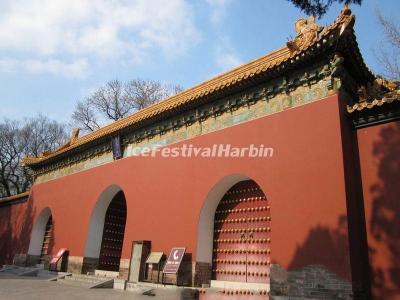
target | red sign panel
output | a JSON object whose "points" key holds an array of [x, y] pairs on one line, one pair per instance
{"points": [[58, 255], [56, 258], [174, 261]]}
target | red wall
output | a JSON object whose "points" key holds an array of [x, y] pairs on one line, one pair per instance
{"points": [[379, 148], [304, 182], [16, 225]]}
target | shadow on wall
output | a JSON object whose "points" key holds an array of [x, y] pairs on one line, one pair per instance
{"points": [[385, 218], [327, 247], [15, 230]]}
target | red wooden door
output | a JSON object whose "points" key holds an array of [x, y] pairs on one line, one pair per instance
{"points": [[242, 235], [113, 234]]}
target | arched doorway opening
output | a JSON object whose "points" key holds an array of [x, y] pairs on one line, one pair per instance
{"points": [[205, 234], [241, 240], [106, 231], [42, 236], [113, 234], [48, 235]]}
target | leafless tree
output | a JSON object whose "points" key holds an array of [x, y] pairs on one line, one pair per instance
{"points": [[41, 134], [142, 93], [19, 139], [111, 100], [388, 53], [10, 156], [85, 116], [117, 100]]}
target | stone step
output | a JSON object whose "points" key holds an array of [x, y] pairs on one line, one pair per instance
{"points": [[161, 291], [76, 283], [78, 276], [6, 267], [232, 294], [14, 270], [90, 281], [47, 274], [244, 286]]}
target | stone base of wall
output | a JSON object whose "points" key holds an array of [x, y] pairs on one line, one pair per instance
{"points": [[89, 264], [190, 274], [32, 260], [45, 260], [20, 260], [184, 276], [84, 265], [170, 279], [28, 260], [153, 275], [201, 273], [75, 264], [124, 268], [185, 273], [312, 282]]}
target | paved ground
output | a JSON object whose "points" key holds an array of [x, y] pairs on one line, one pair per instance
{"points": [[32, 288]]}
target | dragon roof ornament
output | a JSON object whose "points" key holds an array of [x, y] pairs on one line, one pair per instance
{"points": [[307, 31]]}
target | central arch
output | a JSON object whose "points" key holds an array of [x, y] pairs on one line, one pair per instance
{"points": [[106, 231], [206, 219], [242, 226], [234, 233]]}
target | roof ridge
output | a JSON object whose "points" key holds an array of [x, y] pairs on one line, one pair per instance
{"points": [[306, 38], [14, 197]]}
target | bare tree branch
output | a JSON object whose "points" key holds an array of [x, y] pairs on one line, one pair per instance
{"points": [[142, 93], [390, 28], [18, 139], [117, 100], [85, 117], [40, 134], [111, 101], [388, 53]]}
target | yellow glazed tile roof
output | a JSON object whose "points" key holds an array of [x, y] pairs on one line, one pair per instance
{"points": [[389, 98], [293, 49], [14, 197]]}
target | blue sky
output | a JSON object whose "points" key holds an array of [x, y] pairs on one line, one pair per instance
{"points": [[55, 52]]}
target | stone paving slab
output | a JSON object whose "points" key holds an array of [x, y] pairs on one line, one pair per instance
{"points": [[33, 288]]}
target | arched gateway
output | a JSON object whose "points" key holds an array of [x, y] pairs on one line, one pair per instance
{"points": [[113, 234], [42, 236], [241, 244], [106, 231], [47, 239]]}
